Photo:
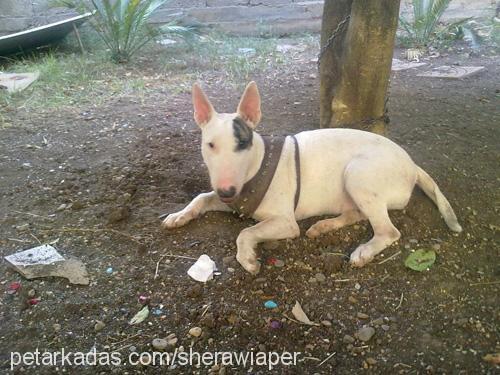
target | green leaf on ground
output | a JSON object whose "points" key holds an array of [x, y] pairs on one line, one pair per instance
{"points": [[420, 260]]}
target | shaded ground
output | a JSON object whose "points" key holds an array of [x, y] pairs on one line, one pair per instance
{"points": [[117, 165]]}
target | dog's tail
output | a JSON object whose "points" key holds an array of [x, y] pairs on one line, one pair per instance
{"points": [[427, 184]]}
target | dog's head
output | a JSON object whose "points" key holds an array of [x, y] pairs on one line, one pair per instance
{"points": [[228, 140]]}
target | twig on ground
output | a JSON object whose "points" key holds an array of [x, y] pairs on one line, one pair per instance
{"points": [[392, 256], [486, 283], [400, 301], [179, 256], [157, 267], [94, 230], [36, 238], [327, 358], [34, 215], [17, 240]]}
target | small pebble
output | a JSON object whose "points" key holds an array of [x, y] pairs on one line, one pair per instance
{"points": [[228, 260], [320, 278], [371, 361], [270, 304], [195, 331], [348, 339], [326, 323], [279, 263], [109, 270], [159, 344], [378, 321], [365, 333], [275, 324], [385, 327], [230, 270], [56, 327], [357, 286], [143, 299], [31, 293], [361, 315], [99, 326]]}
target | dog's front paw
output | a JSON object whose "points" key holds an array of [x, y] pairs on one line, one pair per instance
{"points": [[313, 232], [251, 264], [176, 220], [361, 256]]}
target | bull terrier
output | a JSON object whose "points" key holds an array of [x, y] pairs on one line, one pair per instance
{"points": [[353, 174]]}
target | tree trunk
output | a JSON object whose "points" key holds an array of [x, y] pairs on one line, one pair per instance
{"points": [[355, 71], [334, 12]]}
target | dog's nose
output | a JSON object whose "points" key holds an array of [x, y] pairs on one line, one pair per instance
{"points": [[227, 193]]}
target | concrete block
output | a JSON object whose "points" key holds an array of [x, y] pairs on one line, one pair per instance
{"points": [[16, 8]]}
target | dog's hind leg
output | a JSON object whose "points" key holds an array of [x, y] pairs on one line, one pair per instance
{"points": [[274, 228], [384, 234], [323, 226], [198, 206], [370, 199]]}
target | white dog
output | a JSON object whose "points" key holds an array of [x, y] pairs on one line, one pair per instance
{"points": [[354, 174]]}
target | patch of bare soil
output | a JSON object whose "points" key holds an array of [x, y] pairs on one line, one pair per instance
{"points": [[97, 179]]}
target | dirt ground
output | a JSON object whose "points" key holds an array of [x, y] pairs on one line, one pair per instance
{"points": [[97, 177]]}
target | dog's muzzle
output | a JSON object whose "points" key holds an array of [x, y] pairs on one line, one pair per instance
{"points": [[227, 195]]}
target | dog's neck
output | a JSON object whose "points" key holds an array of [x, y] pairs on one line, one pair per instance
{"points": [[258, 149]]}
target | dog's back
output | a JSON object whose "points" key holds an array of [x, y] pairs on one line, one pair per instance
{"points": [[328, 154]]}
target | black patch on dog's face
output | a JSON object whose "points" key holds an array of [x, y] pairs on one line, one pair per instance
{"points": [[243, 134]]}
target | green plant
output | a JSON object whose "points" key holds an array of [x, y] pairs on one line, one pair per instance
{"points": [[422, 30], [123, 24]]}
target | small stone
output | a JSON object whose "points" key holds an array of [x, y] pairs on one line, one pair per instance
{"points": [[118, 214], [378, 321], [270, 304], [270, 245], [56, 327], [348, 339], [230, 270], [31, 293], [195, 331], [320, 278], [385, 327], [357, 286], [171, 340], [326, 323], [371, 361], [23, 227], [62, 207], [332, 263], [159, 344], [279, 263], [352, 300], [436, 246], [99, 326], [228, 260], [77, 205], [365, 333], [361, 315], [413, 241]]}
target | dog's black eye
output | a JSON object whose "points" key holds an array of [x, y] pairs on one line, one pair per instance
{"points": [[211, 145]]}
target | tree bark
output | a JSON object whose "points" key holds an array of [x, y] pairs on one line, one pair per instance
{"points": [[357, 77], [334, 12]]}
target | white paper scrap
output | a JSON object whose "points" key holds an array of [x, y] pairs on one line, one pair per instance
{"points": [[203, 269]]}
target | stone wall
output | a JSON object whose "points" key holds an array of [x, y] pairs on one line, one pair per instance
{"points": [[18, 15], [236, 16]]}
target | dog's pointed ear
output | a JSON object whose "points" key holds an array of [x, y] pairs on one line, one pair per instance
{"points": [[203, 110], [249, 107]]}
